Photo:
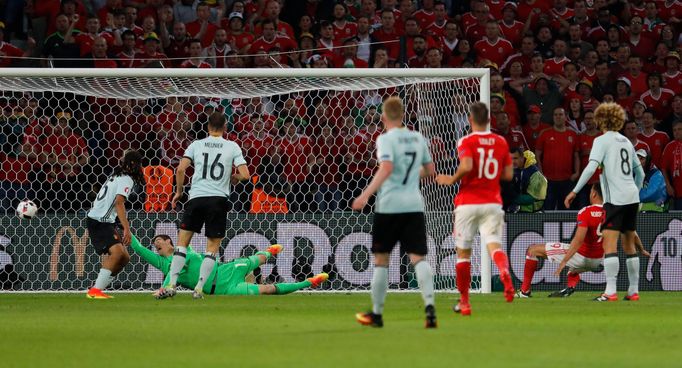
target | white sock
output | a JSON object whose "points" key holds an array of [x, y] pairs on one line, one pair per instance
{"points": [[633, 274], [611, 266], [205, 270], [103, 279], [425, 279], [178, 263], [379, 288]]}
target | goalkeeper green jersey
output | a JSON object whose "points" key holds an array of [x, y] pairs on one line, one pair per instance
{"points": [[225, 279]]}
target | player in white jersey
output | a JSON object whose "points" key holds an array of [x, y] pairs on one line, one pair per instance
{"points": [[399, 215], [213, 158], [621, 178], [101, 221]]}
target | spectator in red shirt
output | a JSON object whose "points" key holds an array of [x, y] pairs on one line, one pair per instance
{"points": [[176, 141], [476, 31], [585, 142], [272, 12], [237, 36], [150, 54], [257, 143], [296, 155], [640, 44], [326, 165], [85, 39], [671, 166], [426, 15], [7, 49], [131, 19], [177, 44], [348, 57], [196, 59], [492, 47], [326, 42], [524, 57], [66, 151], [126, 58], [434, 58], [515, 138], [533, 128], [270, 39], [418, 60], [388, 34], [672, 75], [437, 28], [202, 29], [99, 56], [557, 154], [656, 140], [656, 98], [638, 79], [630, 131], [512, 29], [343, 29]]}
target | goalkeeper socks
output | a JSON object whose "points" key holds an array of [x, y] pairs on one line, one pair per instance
{"points": [[632, 263], [425, 279], [290, 287], [103, 279], [528, 272], [611, 266], [573, 279], [379, 288], [464, 278], [178, 263], [205, 270], [501, 260]]}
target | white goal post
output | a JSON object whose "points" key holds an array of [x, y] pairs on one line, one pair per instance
{"points": [[65, 128]]}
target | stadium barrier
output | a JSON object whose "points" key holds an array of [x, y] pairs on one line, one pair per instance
{"points": [[52, 252]]}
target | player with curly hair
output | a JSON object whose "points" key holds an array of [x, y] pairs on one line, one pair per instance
{"points": [[620, 189]]}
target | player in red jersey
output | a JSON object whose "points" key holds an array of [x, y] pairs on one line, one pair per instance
{"points": [[587, 243], [484, 160]]}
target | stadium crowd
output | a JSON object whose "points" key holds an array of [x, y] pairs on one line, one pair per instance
{"points": [[552, 63]]}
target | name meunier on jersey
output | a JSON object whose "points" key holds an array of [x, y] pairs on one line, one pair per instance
{"points": [[407, 151], [213, 159], [104, 207]]}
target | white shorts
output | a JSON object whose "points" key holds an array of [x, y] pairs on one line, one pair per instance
{"points": [[486, 219], [578, 263]]}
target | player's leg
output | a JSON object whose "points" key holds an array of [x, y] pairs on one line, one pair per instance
{"points": [[290, 287], [384, 238], [611, 230], [106, 241], [215, 210], [466, 223], [611, 264], [632, 263], [576, 265], [492, 224], [533, 254], [192, 221], [413, 242]]}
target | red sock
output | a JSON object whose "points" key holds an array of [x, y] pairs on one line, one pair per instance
{"points": [[464, 279], [528, 272], [501, 260], [573, 279]]}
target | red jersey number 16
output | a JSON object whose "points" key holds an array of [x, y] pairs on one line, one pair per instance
{"points": [[487, 166]]}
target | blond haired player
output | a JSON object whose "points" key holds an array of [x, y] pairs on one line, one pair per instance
{"points": [[620, 189], [399, 214], [484, 160]]}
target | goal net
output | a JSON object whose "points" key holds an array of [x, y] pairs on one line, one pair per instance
{"points": [[308, 136]]}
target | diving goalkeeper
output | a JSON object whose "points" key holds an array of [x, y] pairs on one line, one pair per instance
{"points": [[225, 279]]}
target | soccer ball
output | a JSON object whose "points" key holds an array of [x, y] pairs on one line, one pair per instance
{"points": [[27, 209]]}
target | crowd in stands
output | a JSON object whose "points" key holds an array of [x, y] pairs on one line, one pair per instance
{"points": [[552, 62]]}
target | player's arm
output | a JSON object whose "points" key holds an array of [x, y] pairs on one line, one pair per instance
{"points": [[385, 170], [466, 165], [242, 174], [577, 241], [120, 204], [157, 261], [427, 170], [180, 179], [639, 173]]}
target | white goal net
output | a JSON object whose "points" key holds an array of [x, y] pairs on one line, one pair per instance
{"points": [[308, 136]]}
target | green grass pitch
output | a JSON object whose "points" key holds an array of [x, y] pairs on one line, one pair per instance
{"points": [[319, 330]]}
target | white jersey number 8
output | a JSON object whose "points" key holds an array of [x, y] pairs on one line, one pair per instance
{"points": [[487, 166]]}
